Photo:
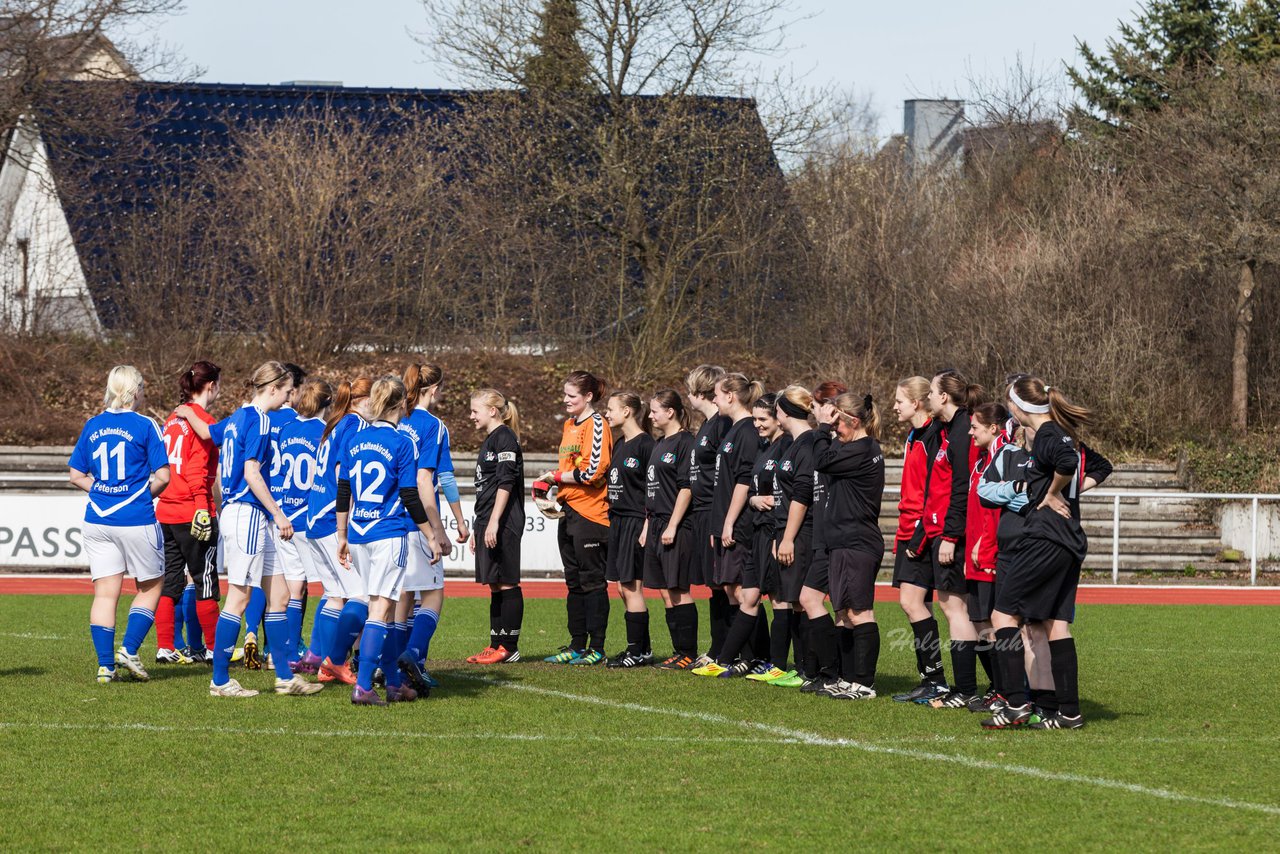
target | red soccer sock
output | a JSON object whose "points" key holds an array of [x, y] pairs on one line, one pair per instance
{"points": [[207, 613], [164, 623]]}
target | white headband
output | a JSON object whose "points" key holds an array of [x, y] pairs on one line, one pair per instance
{"points": [[1029, 408]]}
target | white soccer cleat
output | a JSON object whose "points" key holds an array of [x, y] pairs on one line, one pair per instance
{"points": [[297, 686], [231, 689], [172, 656], [105, 675], [133, 664]]}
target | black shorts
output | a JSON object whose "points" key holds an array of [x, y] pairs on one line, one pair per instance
{"points": [[948, 578], [791, 578], [762, 570], [702, 555], [1040, 582], [853, 579], [584, 551], [982, 599], [624, 556], [668, 567], [731, 564], [185, 555], [817, 575], [912, 570], [499, 565]]}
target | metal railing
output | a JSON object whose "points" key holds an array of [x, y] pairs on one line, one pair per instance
{"points": [[1252, 497]]}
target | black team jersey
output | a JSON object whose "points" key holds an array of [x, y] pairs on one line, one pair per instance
{"points": [[763, 478], [668, 473], [626, 479], [500, 463], [794, 482], [734, 462], [1054, 452], [854, 473], [702, 461]]}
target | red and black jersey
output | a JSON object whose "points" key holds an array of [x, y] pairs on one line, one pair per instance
{"points": [[193, 466], [917, 453], [946, 495], [981, 523]]}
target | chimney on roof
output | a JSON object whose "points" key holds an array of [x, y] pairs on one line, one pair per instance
{"points": [[932, 128]]}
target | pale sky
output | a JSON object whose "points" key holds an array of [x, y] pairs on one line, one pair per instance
{"points": [[887, 51]]}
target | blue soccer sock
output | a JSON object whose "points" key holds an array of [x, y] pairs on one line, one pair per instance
{"points": [[254, 611], [224, 643], [424, 626], [135, 632], [371, 644], [104, 644], [277, 626], [322, 632], [294, 615], [353, 617], [182, 639], [390, 652], [314, 645], [402, 638], [195, 637]]}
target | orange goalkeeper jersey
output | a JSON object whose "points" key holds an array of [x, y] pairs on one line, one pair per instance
{"points": [[585, 450]]}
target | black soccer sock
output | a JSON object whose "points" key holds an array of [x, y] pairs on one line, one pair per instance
{"points": [[512, 618], [576, 607], [673, 628], [846, 641], [780, 638], [760, 639], [822, 643], [495, 617], [738, 636], [719, 612], [688, 640], [1045, 698], [597, 618], [983, 650], [799, 637], [866, 653], [1066, 675], [929, 648], [637, 631], [964, 666], [1009, 655]]}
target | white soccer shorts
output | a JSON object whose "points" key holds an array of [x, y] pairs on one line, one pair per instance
{"points": [[246, 545], [381, 565], [137, 550], [294, 557], [339, 582], [420, 573]]}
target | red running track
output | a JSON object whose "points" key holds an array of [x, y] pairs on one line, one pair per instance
{"points": [[41, 585]]}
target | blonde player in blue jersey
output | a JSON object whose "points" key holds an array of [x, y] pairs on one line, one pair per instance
{"points": [[120, 461], [246, 545], [424, 579], [378, 506]]}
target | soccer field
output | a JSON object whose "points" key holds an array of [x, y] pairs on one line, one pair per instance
{"points": [[1180, 751]]}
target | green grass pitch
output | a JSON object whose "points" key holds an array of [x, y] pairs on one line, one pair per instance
{"points": [[1180, 751]]}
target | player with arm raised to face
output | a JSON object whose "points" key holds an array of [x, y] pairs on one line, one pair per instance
{"points": [[730, 521], [499, 522], [246, 545], [586, 448], [120, 461], [423, 597], [298, 445], [625, 490], [701, 387], [668, 534], [378, 505], [188, 517], [853, 466]]}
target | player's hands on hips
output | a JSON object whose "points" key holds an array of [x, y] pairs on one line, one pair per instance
{"points": [[1056, 504], [202, 526]]}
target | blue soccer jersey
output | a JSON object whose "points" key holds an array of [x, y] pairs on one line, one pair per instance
{"points": [[246, 435], [322, 517], [379, 462], [430, 440], [298, 444], [278, 419], [121, 449]]}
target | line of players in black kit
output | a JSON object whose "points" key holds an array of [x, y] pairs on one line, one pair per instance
{"points": [[779, 495]]}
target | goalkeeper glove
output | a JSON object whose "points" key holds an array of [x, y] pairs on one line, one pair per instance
{"points": [[202, 526]]}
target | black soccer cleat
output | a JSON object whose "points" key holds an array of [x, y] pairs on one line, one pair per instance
{"points": [[627, 660], [1010, 717], [1058, 720]]}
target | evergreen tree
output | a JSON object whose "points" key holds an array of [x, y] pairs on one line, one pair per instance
{"points": [[560, 64]]}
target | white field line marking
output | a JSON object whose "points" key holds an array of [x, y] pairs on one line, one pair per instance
{"points": [[815, 739], [30, 636]]}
